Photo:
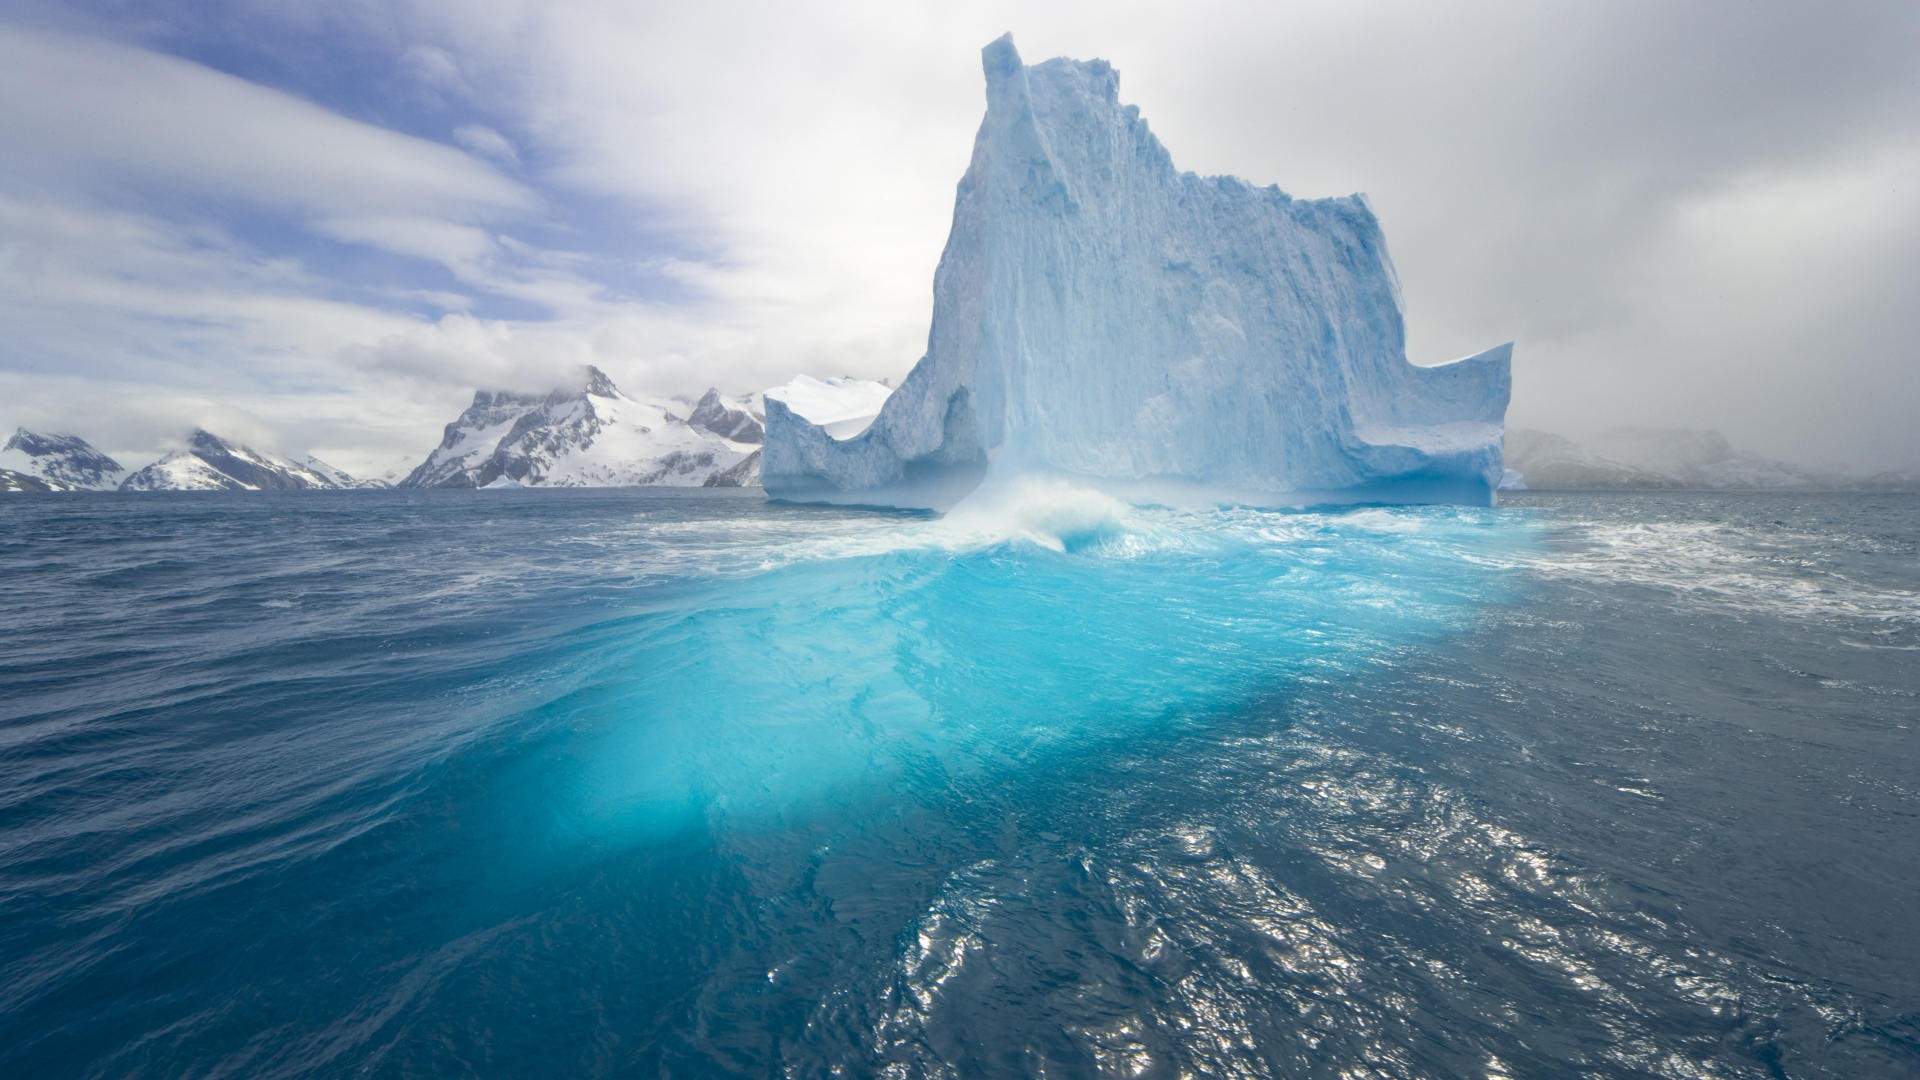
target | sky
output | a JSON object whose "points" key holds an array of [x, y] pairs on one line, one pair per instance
{"points": [[318, 227]]}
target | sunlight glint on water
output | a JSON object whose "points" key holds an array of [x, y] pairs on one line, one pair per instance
{"points": [[561, 783]]}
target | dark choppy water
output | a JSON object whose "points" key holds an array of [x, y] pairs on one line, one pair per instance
{"points": [[569, 783]]}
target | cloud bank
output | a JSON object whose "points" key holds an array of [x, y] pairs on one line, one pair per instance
{"points": [[328, 222]]}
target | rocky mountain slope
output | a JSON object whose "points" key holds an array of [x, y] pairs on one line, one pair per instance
{"points": [[211, 463], [11, 481], [33, 461], [595, 436]]}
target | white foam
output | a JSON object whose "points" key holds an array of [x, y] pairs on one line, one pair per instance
{"points": [[1709, 561], [1051, 513]]}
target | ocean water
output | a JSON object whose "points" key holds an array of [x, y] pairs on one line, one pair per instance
{"points": [[552, 783]]}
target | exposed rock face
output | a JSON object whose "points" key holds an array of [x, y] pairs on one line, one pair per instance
{"points": [[59, 462], [595, 436], [745, 474], [1100, 315], [211, 463], [727, 418], [336, 477], [23, 482]]}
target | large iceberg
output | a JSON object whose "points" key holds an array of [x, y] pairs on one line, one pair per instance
{"points": [[1101, 316]]}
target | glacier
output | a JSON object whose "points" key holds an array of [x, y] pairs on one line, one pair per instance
{"points": [[1102, 317]]}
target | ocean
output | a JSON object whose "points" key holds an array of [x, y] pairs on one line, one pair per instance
{"points": [[645, 782]]}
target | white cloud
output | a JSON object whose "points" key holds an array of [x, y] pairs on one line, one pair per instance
{"points": [[1526, 164], [131, 331], [462, 249], [119, 291], [79, 110], [435, 69], [486, 142], [1674, 218], [369, 428], [133, 327]]}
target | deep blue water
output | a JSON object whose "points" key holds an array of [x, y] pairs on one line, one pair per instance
{"points": [[556, 783]]}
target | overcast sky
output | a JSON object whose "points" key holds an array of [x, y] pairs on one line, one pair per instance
{"points": [[319, 226]]}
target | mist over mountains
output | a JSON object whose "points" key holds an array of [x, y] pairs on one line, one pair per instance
{"points": [[1638, 457], [589, 435], [599, 437]]}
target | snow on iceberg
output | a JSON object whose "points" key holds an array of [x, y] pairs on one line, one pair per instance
{"points": [[1100, 316], [841, 408]]}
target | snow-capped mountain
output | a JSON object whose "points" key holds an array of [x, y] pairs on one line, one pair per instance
{"points": [[595, 437], [744, 474], [730, 418], [336, 477], [1645, 457], [211, 463], [56, 463]]}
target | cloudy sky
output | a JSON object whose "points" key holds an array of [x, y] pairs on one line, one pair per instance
{"points": [[318, 226]]}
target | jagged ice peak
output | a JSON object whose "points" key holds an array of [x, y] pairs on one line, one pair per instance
{"points": [[1103, 317]]}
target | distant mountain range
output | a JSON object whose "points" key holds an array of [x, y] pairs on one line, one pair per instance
{"points": [[593, 436], [1654, 458], [32, 461], [211, 463], [597, 436]]}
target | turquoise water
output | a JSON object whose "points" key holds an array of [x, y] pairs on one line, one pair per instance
{"points": [[624, 782]]}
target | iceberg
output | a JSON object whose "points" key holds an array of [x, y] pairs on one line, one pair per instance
{"points": [[1102, 317]]}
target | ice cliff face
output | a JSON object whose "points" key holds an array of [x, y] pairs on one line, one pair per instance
{"points": [[593, 437], [211, 463], [57, 463], [1101, 315]]}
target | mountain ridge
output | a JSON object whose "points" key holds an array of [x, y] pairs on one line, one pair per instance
{"points": [[595, 436], [1641, 457], [211, 463], [37, 461]]}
